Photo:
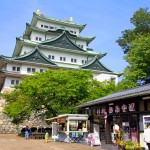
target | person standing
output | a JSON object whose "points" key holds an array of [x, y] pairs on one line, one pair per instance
{"points": [[147, 136], [26, 132], [46, 137], [115, 133]]}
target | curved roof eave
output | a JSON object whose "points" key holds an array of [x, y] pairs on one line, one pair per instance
{"points": [[64, 34], [29, 27], [34, 44], [92, 61], [48, 19]]}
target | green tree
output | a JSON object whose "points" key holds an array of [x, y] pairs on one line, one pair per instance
{"points": [[52, 93], [141, 26], [135, 43]]}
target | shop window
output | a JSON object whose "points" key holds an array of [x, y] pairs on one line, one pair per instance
{"points": [[98, 111], [133, 122]]}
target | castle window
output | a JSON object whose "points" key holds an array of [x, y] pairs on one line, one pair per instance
{"points": [[51, 27], [17, 81], [41, 25], [45, 26], [41, 70], [81, 46], [28, 69], [38, 38], [33, 69], [13, 68], [112, 78], [12, 81], [83, 61], [62, 58], [18, 68], [51, 57], [73, 60]]}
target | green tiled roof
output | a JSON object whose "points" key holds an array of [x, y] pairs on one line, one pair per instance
{"points": [[29, 28], [60, 21], [20, 41], [95, 64], [63, 41], [34, 56]]}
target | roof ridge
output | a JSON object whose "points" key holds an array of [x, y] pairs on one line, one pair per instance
{"points": [[59, 20]]}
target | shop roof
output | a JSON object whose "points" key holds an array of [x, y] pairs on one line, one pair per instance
{"points": [[67, 115]]}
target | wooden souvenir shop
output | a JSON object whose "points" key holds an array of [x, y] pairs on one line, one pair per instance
{"points": [[126, 109]]}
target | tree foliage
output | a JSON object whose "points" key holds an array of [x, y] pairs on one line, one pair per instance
{"points": [[53, 92], [135, 43], [141, 23]]}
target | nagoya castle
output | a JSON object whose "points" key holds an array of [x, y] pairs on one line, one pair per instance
{"points": [[48, 43]]}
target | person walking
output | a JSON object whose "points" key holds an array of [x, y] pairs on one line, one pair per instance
{"points": [[147, 136], [26, 132]]}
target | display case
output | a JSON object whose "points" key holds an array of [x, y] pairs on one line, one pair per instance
{"points": [[71, 127]]}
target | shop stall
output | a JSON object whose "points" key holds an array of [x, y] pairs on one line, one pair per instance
{"points": [[69, 127]]}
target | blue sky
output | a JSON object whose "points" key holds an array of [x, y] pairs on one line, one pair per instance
{"points": [[105, 20]]}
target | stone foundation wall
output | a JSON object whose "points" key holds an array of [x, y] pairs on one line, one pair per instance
{"points": [[7, 127]]}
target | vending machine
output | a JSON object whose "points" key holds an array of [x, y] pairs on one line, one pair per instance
{"points": [[146, 121]]}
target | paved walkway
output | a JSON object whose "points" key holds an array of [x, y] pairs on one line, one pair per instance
{"points": [[13, 142]]}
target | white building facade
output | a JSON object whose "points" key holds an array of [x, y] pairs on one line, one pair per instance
{"points": [[49, 43]]}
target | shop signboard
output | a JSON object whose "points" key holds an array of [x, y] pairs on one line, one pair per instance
{"points": [[121, 108], [93, 139]]}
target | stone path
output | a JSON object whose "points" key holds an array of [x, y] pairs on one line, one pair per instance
{"points": [[13, 142]]}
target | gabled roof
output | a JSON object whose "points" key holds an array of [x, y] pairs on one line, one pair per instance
{"points": [[63, 41], [54, 20], [133, 92], [95, 64], [34, 56], [20, 41]]}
